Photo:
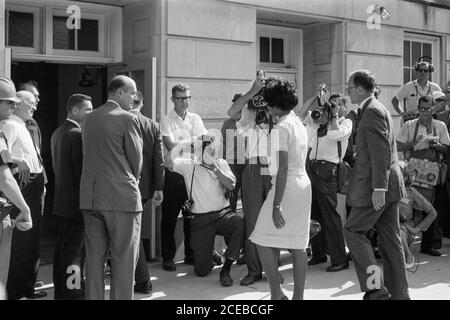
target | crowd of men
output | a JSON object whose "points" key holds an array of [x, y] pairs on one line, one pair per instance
{"points": [[110, 162]]}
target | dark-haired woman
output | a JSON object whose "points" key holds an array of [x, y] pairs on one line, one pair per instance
{"points": [[283, 222]]}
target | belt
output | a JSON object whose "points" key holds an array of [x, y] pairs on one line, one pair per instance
{"points": [[319, 162], [226, 209]]}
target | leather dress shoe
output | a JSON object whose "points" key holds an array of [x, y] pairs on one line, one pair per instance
{"points": [[143, 287], [249, 279], [36, 294], [169, 265], [314, 261], [337, 267], [225, 279], [241, 260], [189, 260], [432, 252], [379, 294], [39, 284]]}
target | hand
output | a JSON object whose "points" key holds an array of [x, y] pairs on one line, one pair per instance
{"points": [[158, 198], [278, 219], [334, 109], [23, 221], [378, 199], [416, 231], [422, 144], [24, 173], [258, 84]]}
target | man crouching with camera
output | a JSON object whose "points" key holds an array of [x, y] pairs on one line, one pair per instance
{"points": [[207, 178], [328, 133]]}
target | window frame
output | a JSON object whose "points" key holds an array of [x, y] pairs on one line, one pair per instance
{"points": [[37, 37], [265, 31], [102, 36], [435, 53]]}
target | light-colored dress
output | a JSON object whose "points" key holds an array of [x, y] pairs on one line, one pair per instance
{"points": [[288, 135]]}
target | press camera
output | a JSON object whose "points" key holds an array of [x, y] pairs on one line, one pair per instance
{"points": [[259, 104]]}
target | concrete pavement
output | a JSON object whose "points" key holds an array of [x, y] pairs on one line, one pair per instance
{"points": [[430, 282]]}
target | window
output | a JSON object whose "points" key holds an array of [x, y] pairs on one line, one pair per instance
{"points": [[20, 28], [86, 38], [271, 50], [415, 47]]}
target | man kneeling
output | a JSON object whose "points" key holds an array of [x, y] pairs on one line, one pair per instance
{"points": [[207, 178]]}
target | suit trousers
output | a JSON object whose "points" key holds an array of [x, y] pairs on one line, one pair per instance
{"points": [[323, 209], [141, 273], [68, 260], [5, 253], [25, 246], [117, 233], [386, 222], [204, 229], [174, 196], [255, 188]]}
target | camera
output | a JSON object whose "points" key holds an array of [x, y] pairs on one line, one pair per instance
{"points": [[322, 114], [259, 104], [186, 208]]}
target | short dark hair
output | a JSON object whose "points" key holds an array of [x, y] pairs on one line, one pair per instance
{"points": [[75, 100], [426, 99], [364, 79], [23, 85], [280, 93], [179, 87], [341, 99], [116, 83]]}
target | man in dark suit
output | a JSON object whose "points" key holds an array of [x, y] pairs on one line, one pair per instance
{"points": [[150, 185], [109, 191], [67, 160], [376, 187]]}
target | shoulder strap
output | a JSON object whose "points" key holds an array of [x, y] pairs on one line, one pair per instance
{"points": [[192, 182], [339, 145], [415, 131]]}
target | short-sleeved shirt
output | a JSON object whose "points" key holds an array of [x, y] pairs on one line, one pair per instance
{"points": [[258, 136], [412, 91], [327, 148], [415, 201], [406, 134], [172, 125], [207, 192]]}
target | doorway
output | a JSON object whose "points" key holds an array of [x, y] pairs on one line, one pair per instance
{"points": [[56, 83]]}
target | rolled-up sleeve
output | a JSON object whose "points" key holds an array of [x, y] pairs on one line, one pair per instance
{"points": [[344, 132]]}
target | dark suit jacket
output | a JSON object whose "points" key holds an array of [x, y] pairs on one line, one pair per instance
{"points": [[153, 163], [35, 132], [112, 160], [67, 160], [376, 164]]}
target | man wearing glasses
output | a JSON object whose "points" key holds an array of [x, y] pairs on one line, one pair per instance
{"points": [[428, 139], [25, 245], [410, 93], [177, 127]]}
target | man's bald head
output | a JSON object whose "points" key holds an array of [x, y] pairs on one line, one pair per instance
{"points": [[122, 89], [26, 108]]}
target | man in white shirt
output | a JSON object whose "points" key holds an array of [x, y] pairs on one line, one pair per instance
{"points": [[426, 138], [178, 127], [410, 93], [328, 140], [256, 124], [25, 246], [207, 179]]}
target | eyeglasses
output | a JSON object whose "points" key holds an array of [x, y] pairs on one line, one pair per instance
{"points": [[182, 98], [422, 70], [424, 109], [347, 90]]}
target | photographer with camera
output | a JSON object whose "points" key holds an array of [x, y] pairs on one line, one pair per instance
{"points": [[410, 93], [328, 134], [254, 118], [426, 139], [207, 178]]}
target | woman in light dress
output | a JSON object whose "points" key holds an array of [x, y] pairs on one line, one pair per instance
{"points": [[283, 222]]}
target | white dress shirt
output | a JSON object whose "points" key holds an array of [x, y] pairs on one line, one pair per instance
{"points": [[172, 125], [20, 142]]}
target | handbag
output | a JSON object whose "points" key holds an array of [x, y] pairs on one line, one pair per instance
{"points": [[314, 228], [343, 172]]}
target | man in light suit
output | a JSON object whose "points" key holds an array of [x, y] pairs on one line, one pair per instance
{"points": [[150, 185], [109, 191], [376, 187], [67, 160]]}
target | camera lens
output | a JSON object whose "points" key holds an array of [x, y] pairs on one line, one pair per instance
{"points": [[316, 114]]}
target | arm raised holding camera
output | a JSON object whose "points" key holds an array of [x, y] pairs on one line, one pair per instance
{"points": [[235, 111], [313, 102]]}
